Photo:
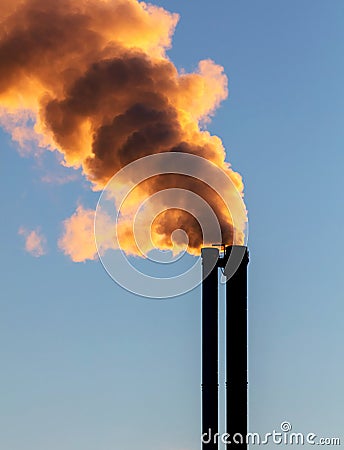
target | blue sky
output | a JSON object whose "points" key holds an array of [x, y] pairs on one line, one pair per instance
{"points": [[88, 366]]}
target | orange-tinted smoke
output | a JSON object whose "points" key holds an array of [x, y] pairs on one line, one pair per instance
{"points": [[95, 78], [35, 241]]}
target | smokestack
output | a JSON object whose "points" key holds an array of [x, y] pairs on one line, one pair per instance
{"points": [[234, 264], [236, 344], [210, 381]]}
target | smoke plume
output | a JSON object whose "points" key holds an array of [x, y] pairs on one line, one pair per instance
{"points": [[94, 79]]}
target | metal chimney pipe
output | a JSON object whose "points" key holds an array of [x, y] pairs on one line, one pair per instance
{"points": [[210, 381], [236, 345]]}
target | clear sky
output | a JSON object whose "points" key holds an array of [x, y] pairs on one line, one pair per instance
{"points": [[89, 366]]}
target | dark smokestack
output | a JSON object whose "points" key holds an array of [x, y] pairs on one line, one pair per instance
{"points": [[210, 345], [236, 343]]}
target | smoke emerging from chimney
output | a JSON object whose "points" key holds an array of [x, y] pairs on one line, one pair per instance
{"points": [[91, 79]]}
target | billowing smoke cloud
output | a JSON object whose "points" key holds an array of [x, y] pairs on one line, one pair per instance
{"points": [[94, 78]]}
